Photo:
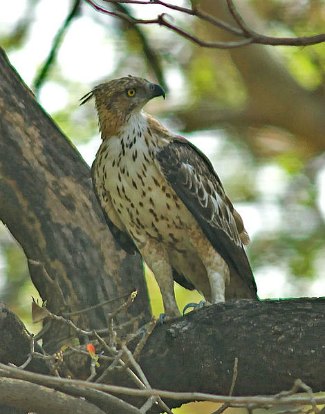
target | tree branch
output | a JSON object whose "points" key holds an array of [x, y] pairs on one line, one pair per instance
{"points": [[43, 400], [275, 343], [249, 36], [269, 40]]}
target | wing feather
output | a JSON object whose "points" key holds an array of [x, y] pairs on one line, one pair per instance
{"points": [[194, 180]]}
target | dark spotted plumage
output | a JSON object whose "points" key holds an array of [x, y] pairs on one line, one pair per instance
{"points": [[161, 196]]}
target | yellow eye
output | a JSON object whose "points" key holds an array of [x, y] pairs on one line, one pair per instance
{"points": [[130, 92]]}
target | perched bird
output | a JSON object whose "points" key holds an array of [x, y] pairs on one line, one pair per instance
{"points": [[161, 196]]}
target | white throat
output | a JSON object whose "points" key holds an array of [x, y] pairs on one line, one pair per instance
{"points": [[134, 128]]}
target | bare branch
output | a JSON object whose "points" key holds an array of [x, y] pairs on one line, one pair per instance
{"points": [[268, 40], [248, 35], [306, 399], [162, 21], [192, 12], [46, 314], [98, 305]]}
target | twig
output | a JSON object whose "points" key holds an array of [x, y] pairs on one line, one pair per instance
{"points": [[116, 359], [124, 305], [30, 356], [98, 305], [239, 20], [36, 355], [69, 323], [143, 378], [93, 372], [269, 40], [234, 377], [148, 330], [147, 405], [297, 386], [49, 315], [231, 390], [139, 378]]}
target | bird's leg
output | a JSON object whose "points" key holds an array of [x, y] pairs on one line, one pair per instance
{"points": [[218, 274], [217, 285], [163, 274], [157, 260]]}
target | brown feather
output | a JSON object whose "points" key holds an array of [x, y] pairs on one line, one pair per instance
{"points": [[194, 180]]}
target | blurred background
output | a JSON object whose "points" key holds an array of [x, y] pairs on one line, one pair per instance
{"points": [[258, 112]]}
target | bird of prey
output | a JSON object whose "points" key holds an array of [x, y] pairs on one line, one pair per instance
{"points": [[161, 197]]}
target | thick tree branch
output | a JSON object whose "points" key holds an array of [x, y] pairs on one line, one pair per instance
{"points": [[43, 400], [48, 204], [275, 342]]}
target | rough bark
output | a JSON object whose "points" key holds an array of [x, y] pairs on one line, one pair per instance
{"points": [[275, 341], [48, 204]]}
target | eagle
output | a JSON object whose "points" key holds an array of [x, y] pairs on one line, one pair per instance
{"points": [[162, 197]]}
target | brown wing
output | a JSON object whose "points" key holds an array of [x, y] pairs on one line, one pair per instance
{"points": [[194, 180]]}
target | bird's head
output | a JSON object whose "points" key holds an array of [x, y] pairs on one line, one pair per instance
{"points": [[117, 99]]}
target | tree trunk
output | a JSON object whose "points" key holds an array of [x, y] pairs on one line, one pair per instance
{"points": [[48, 204]]}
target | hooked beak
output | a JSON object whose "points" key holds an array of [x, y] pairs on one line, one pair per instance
{"points": [[156, 90]]}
